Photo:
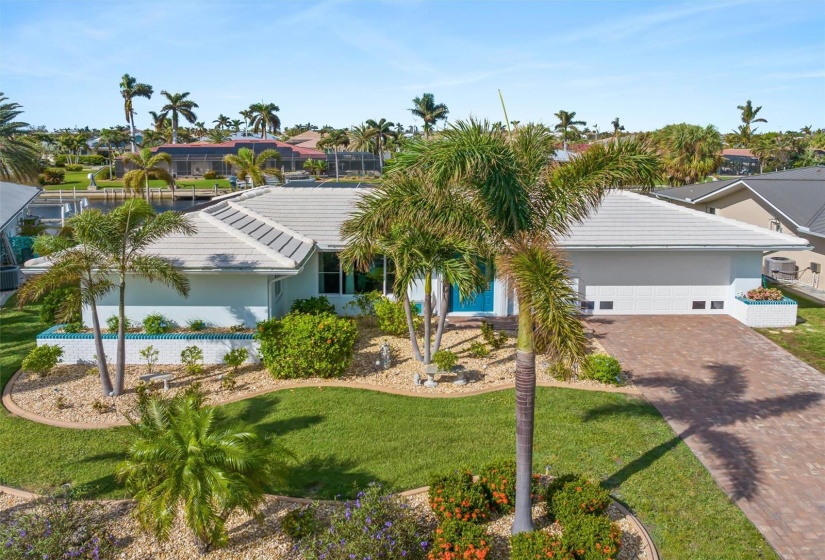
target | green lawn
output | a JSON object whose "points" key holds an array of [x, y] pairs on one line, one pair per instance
{"points": [[79, 180], [341, 438], [807, 339]]}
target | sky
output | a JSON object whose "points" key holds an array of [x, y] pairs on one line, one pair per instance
{"points": [[339, 63]]}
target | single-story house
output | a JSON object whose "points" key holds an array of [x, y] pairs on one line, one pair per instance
{"points": [[738, 161], [257, 252], [790, 202]]}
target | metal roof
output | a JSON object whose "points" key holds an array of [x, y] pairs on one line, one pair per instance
{"points": [[13, 199], [798, 194], [632, 221]]}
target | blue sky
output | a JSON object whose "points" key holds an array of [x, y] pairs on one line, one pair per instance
{"points": [[339, 63]]}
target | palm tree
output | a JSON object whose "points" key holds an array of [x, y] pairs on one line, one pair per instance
{"points": [[159, 120], [617, 128], [380, 130], [362, 139], [129, 89], [146, 164], [503, 191], [689, 152], [748, 117], [247, 118], [134, 227], [221, 122], [185, 456], [178, 104], [152, 138], [425, 108], [264, 118], [567, 125], [334, 139], [216, 135], [75, 261], [248, 165], [315, 166], [235, 125], [18, 154]]}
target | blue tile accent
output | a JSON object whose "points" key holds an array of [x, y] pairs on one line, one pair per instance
{"points": [[783, 301], [52, 334]]}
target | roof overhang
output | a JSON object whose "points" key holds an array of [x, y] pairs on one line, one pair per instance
{"points": [[21, 207], [760, 248]]}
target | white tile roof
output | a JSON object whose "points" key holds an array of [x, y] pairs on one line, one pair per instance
{"points": [[13, 199], [630, 220]]}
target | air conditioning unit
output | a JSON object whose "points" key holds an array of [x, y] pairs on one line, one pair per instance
{"points": [[816, 268], [779, 268], [9, 277]]}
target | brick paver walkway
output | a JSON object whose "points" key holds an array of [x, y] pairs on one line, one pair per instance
{"points": [[750, 411]]}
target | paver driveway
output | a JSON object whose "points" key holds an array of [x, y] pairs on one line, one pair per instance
{"points": [[750, 411]]}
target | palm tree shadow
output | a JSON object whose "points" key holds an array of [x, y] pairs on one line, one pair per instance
{"points": [[732, 454]]}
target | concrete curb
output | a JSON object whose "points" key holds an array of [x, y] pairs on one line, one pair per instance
{"points": [[17, 411]]}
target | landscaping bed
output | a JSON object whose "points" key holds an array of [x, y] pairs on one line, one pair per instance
{"points": [[71, 392]]}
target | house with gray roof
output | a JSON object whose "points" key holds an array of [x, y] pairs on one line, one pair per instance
{"points": [[790, 202], [257, 251]]}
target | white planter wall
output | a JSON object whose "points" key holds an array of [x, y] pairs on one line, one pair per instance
{"points": [[765, 314], [80, 348]]}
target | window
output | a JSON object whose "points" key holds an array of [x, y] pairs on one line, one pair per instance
{"points": [[277, 289], [699, 305], [358, 282], [605, 305], [332, 279], [711, 210], [717, 305], [776, 225], [329, 273], [588, 305]]}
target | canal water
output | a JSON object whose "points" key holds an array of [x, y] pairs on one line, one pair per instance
{"points": [[50, 208]]}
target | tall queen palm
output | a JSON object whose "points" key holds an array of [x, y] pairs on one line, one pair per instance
{"points": [[129, 89], [178, 104], [503, 190]]}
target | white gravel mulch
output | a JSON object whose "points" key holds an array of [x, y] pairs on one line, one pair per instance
{"points": [[71, 393]]}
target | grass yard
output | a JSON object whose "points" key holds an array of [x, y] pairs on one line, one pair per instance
{"points": [[341, 438], [807, 339], [79, 180]]}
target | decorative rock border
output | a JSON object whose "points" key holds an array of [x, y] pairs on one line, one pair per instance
{"points": [[637, 525], [22, 413]]}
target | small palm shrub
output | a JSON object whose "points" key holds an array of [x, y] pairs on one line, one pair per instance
{"points": [[313, 306], [479, 350], [493, 339], [63, 529], [445, 360], [459, 539], [538, 544], [591, 537], [559, 370], [196, 324], [456, 496], [392, 319], [374, 525], [42, 359], [52, 176], [177, 441], [53, 308], [235, 358], [603, 368], [192, 358], [307, 345], [573, 496], [156, 324]]}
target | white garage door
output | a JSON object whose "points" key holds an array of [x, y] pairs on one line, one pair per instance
{"points": [[643, 299]]}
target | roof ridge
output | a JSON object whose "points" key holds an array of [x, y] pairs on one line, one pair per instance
{"points": [[237, 234], [270, 222], [713, 217]]}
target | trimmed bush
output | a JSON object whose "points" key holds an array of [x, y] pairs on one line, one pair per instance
{"points": [[603, 368], [538, 544], [459, 539], [591, 537], [61, 160], [445, 360], [192, 358], [42, 359], [570, 496], [313, 306], [235, 357], [196, 325], [73, 167], [92, 159], [300, 523], [156, 324], [392, 319], [456, 496], [52, 176], [374, 525], [73, 327], [105, 174], [212, 175], [113, 322], [500, 481], [302, 345]]}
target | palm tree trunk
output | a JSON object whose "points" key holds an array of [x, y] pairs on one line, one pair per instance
{"points": [[120, 365], [174, 128], [428, 316], [525, 412], [102, 367], [442, 314], [146, 180], [335, 149], [132, 129], [413, 339]]}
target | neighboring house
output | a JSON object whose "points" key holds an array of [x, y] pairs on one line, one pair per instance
{"points": [[791, 202], [257, 252], [308, 139], [14, 199], [738, 161]]}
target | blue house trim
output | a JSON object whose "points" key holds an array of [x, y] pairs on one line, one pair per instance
{"points": [[783, 301], [52, 334]]}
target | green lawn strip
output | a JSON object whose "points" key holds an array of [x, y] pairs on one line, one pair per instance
{"points": [[807, 339], [340, 438], [79, 180]]}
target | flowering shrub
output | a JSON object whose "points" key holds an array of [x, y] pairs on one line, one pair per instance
{"points": [[500, 481], [601, 367], [459, 540], [765, 294], [591, 537], [156, 324], [374, 525], [307, 345], [62, 529], [538, 544], [313, 306], [456, 496], [575, 496]]}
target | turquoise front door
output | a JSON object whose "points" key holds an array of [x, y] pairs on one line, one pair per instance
{"points": [[479, 303]]}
